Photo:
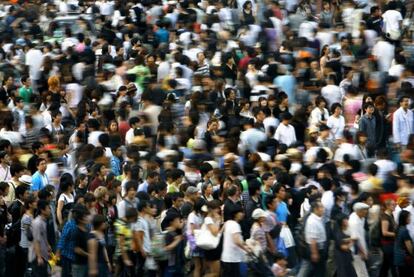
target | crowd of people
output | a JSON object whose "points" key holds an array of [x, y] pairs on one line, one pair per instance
{"points": [[206, 138]]}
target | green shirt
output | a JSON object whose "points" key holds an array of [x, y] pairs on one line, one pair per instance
{"points": [[26, 94], [142, 72]]}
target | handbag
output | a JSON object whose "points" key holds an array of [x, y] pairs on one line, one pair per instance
{"points": [[287, 237], [205, 239]]}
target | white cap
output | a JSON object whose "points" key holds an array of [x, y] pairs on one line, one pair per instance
{"points": [[258, 213], [26, 179], [360, 206]]}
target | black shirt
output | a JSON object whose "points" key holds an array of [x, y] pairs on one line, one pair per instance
{"points": [[81, 241]]}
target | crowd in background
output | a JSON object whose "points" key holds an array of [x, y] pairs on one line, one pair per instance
{"points": [[206, 138]]}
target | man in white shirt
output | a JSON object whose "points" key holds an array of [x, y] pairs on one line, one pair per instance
{"points": [[357, 232], [130, 135], [34, 59], [316, 240], [250, 138], [5, 174], [384, 53], [331, 92], [163, 69], [285, 133], [392, 21], [402, 123]]}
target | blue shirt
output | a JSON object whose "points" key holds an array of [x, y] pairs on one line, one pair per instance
{"points": [[162, 35], [66, 244], [282, 212], [38, 181], [116, 165], [143, 187]]}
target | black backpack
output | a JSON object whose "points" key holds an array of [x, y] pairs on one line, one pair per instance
{"points": [[67, 207]]}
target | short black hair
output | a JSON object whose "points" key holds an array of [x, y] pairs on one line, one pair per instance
{"points": [[42, 204], [20, 191]]}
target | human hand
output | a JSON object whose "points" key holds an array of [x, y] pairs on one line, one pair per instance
{"points": [[315, 257]]}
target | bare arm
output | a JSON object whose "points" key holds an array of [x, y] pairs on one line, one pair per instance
{"points": [[239, 242], [384, 228], [59, 212]]}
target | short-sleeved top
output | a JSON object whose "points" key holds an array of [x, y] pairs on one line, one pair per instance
{"points": [[172, 254], [258, 234], [391, 226], [142, 225], [195, 219], [39, 231], [122, 229], [101, 247], [231, 252], [26, 223], [400, 251], [81, 241], [282, 212]]}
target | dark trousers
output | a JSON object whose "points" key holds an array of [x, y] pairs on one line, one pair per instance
{"points": [[39, 270], [140, 265], [2, 260], [22, 261], [66, 265], [319, 269], [230, 269], [388, 260], [404, 271], [11, 260]]}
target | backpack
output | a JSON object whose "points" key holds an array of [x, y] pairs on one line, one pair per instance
{"points": [[67, 207]]}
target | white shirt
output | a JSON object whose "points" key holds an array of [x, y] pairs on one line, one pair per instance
{"points": [[316, 116], [392, 19], [34, 59], [129, 136], [328, 202], [384, 168], [163, 71], [357, 230], [5, 174], [270, 121], [94, 138], [384, 52], [315, 229], [345, 148], [337, 125], [332, 94], [396, 70], [307, 29], [285, 134], [231, 252]]}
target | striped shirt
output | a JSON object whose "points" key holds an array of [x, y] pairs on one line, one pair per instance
{"points": [[122, 229]]}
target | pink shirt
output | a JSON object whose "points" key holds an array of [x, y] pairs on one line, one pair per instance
{"points": [[351, 107]]}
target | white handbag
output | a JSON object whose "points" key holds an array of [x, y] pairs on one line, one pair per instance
{"points": [[205, 239]]}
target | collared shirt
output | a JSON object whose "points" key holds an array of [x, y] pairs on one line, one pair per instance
{"points": [[285, 134], [5, 175], [402, 126], [66, 244], [315, 230], [357, 230]]}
